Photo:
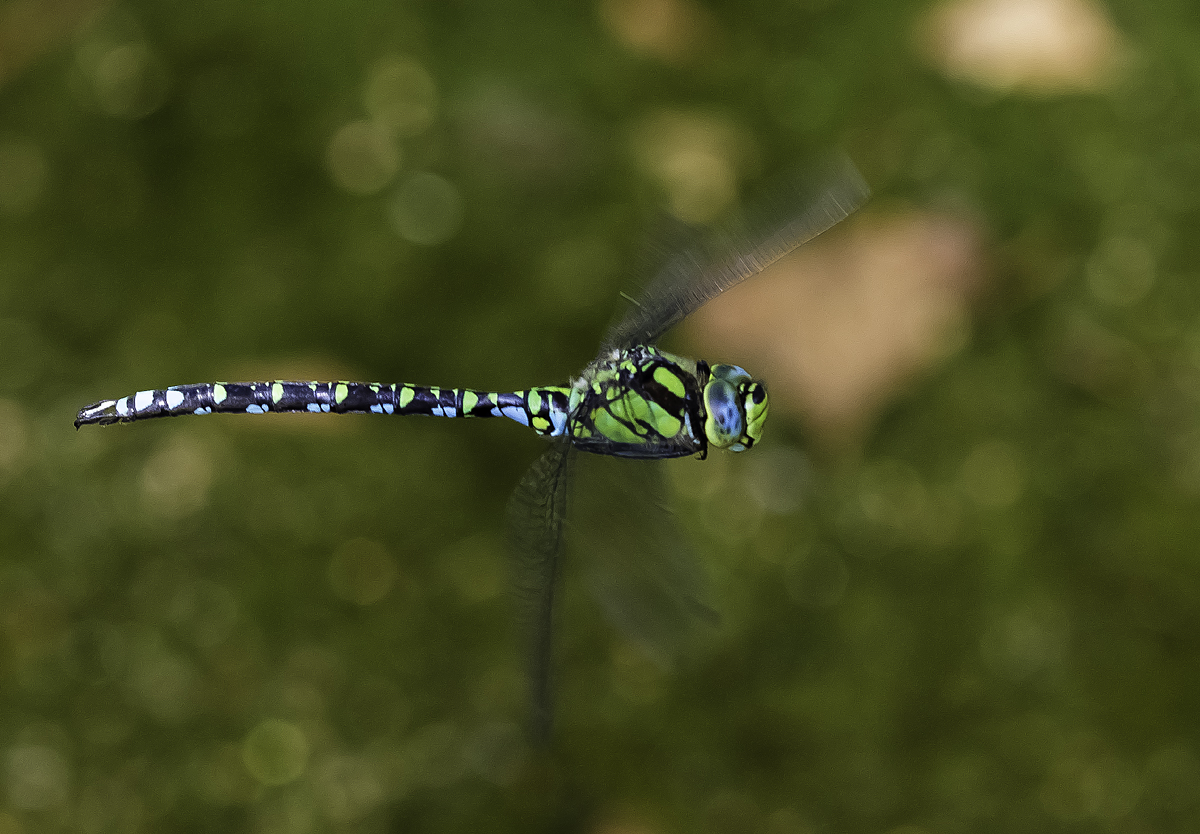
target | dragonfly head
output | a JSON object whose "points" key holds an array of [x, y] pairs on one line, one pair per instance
{"points": [[736, 406]]}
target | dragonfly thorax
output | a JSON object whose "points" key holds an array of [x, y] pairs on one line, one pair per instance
{"points": [[646, 403], [639, 402]]}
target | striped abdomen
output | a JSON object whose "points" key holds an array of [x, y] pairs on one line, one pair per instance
{"points": [[542, 409]]}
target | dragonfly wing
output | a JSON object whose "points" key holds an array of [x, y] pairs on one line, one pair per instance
{"points": [[810, 205], [639, 565], [536, 516]]}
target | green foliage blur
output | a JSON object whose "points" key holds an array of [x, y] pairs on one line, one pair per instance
{"points": [[981, 615]]}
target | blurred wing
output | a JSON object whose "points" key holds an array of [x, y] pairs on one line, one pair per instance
{"points": [[825, 196], [672, 447], [536, 514], [639, 565]]}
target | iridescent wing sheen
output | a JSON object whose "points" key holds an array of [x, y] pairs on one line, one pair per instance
{"points": [[812, 204], [536, 515]]}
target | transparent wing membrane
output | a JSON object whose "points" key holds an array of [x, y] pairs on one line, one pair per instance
{"points": [[537, 512], [638, 562], [811, 204]]}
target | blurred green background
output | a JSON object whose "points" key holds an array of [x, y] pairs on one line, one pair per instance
{"points": [[964, 599]]}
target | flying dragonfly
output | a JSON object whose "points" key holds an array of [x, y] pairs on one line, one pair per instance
{"points": [[633, 400]]}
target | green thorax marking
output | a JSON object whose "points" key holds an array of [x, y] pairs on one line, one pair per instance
{"points": [[639, 402]]}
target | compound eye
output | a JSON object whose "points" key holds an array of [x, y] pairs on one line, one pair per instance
{"points": [[731, 374], [725, 422]]}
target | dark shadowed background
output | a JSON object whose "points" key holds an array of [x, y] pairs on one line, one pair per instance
{"points": [[958, 582]]}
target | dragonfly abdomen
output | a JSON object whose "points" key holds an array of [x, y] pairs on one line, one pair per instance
{"points": [[542, 409]]}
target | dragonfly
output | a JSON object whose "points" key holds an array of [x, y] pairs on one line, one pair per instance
{"points": [[633, 401]]}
